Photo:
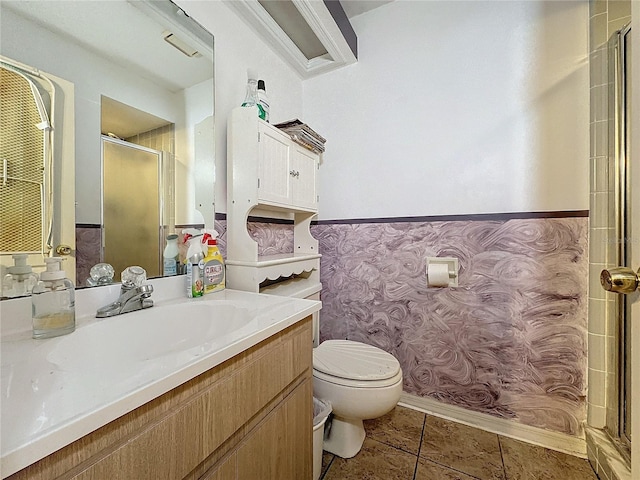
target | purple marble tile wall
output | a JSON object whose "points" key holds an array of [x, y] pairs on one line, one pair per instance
{"points": [[220, 226], [88, 246], [510, 341], [272, 238]]}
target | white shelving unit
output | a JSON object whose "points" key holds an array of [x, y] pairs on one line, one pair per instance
{"points": [[269, 175]]}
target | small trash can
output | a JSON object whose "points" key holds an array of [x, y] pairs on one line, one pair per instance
{"points": [[321, 410]]}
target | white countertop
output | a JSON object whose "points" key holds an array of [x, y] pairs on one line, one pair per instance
{"points": [[57, 390]]}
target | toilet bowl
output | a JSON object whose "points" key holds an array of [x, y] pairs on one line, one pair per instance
{"points": [[361, 382]]}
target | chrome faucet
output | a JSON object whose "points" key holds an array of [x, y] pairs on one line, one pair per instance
{"points": [[131, 298]]}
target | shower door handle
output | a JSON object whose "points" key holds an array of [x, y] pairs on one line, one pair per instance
{"points": [[620, 280]]}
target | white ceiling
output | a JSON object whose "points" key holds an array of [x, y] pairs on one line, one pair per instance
{"points": [[358, 7]]}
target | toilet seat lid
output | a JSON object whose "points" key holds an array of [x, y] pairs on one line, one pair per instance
{"points": [[354, 360]]}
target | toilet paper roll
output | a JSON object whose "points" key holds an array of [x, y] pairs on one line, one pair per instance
{"points": [[438, 275]]}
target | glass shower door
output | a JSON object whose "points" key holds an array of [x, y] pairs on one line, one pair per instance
{"points": [[625, 340], [622, 280], [131, 206]]}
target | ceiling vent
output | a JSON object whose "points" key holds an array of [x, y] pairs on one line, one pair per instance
{"points": [[312, 36], [172, 39]]}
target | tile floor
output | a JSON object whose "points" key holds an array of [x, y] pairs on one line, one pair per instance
{"points": [[409, 445]]}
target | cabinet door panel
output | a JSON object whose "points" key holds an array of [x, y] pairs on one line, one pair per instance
{"points": [[303, 189], [274, 167], [282, 446], [227, 471]]}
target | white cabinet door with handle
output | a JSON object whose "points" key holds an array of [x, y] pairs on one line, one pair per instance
{"points": [[274, 166], [304, 165]]}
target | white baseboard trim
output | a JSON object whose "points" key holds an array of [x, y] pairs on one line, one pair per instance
{"points": [[560, 442]]}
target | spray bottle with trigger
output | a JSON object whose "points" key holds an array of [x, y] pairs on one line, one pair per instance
{"points": [[194, 262], [214, 273]]}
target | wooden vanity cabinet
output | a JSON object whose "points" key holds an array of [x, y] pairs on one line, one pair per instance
{"points": [[249, 418]]}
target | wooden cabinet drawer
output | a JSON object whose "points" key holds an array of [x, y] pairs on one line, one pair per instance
{"points": [[278, 448], [282, 446]]}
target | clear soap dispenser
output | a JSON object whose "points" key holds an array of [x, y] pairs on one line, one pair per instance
{"points": [[20, 280], [53, 302]]}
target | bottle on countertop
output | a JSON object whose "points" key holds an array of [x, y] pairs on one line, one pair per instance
{"points": [[251, 98], [214, 273], [20, 279], [170, 256], [53, 302], [263, 100], [194, 266]]}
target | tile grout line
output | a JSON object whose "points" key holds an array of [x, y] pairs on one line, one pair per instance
{"points": [[424, 424], [504, 468], [328, 468], [444, 465]]}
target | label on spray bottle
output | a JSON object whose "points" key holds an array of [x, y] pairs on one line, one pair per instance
{"points": [[213, 276], [195, 279], [213, 269]]}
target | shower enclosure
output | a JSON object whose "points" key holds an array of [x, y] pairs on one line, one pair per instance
{"points": [[621, 280], [132, 206], [619, 419], [37, 166], [26, 141]]}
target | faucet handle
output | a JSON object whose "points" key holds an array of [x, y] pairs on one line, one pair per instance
{"points": [[133, 276], [100, 274]]}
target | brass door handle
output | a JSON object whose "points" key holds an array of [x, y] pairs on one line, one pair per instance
{"points": [[64, 250], [619, 280]]}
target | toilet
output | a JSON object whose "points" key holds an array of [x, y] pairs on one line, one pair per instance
{"points": [[361, 382]]}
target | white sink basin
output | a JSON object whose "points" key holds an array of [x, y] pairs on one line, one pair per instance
{"points": [[109, 357], [156, 336]]}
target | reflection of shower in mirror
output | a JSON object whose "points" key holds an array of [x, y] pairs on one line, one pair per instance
{"points": [[34, 154]]}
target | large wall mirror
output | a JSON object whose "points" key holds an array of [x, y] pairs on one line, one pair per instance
{"points": [[132, 104]]}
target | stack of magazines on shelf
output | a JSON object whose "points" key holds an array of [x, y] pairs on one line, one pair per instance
{"points": [[303, 134]]}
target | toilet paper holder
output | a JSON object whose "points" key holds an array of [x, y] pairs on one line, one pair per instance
{"points": [[452, 268]]}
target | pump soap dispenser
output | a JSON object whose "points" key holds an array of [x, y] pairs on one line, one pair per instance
{"points": [[53, 302], [20, 280]]}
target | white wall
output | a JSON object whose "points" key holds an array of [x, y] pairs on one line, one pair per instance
{"points": [[200, 149], [457, 108], [237, 48], [453, 107]]}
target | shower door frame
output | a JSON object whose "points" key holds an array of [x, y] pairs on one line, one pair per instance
{"points": [[619, 384], [635, 230]]}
